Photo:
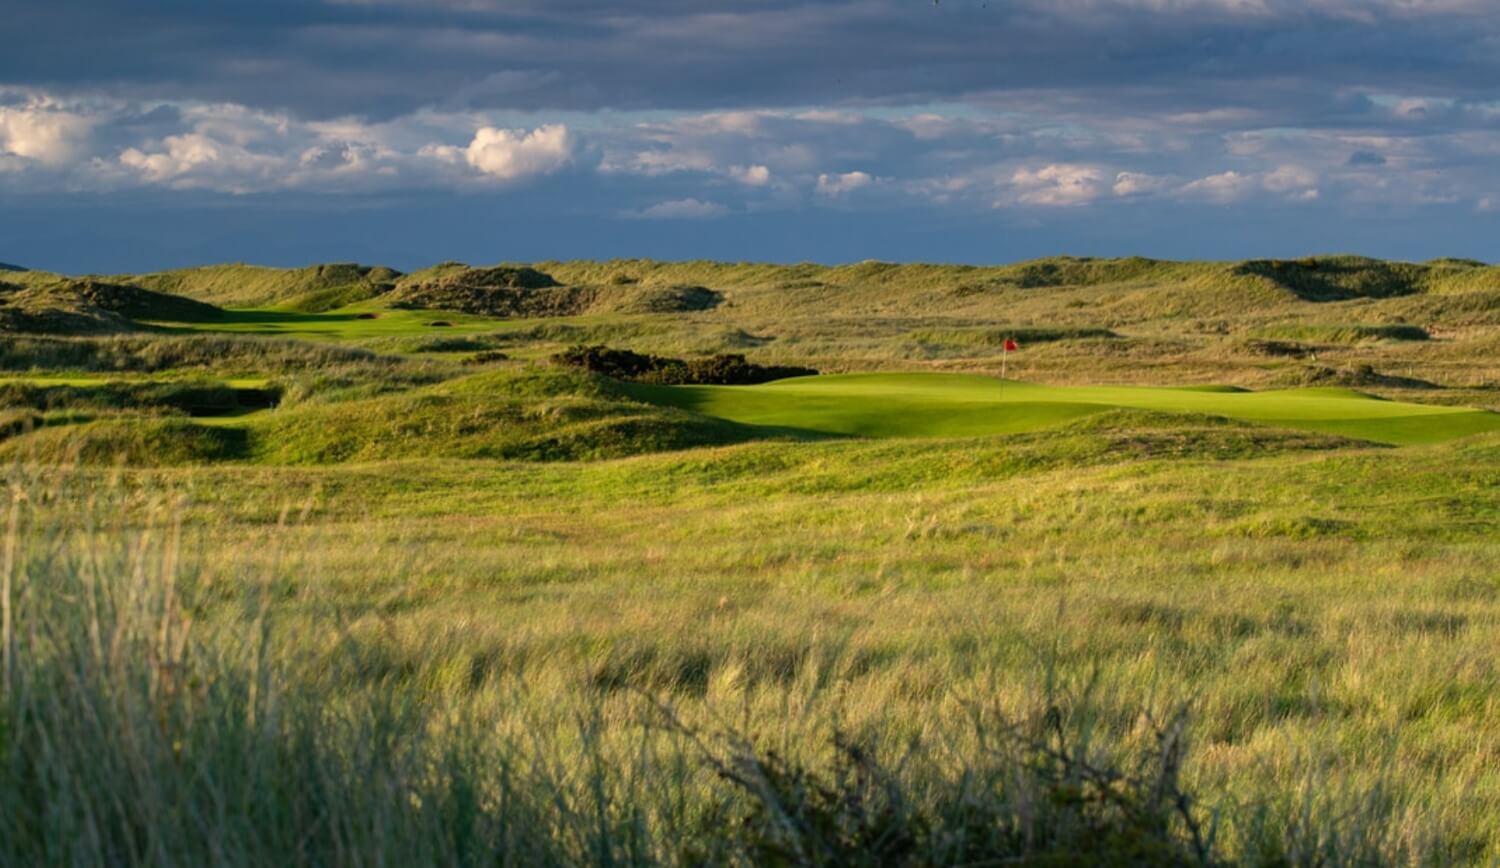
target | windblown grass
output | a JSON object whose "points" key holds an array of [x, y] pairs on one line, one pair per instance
{"points": [[162, 703]]}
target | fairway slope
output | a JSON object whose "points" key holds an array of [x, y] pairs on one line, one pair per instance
{"points": [[954, 405]]}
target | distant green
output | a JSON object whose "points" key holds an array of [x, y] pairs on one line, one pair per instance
{"points": [[954, 405]]}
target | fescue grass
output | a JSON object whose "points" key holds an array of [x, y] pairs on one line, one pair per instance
{"points": [[168, 702], [1345, 334]]}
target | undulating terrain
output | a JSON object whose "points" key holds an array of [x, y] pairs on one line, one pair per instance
{"points": [[343, 561]]}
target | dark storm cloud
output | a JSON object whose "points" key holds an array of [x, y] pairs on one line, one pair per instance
{"points": [[383, 59], [758, 128]]}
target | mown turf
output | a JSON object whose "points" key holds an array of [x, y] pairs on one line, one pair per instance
{"points": [[947, 405]]}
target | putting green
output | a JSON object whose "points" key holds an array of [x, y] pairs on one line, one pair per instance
{"points": [[955, 405]]}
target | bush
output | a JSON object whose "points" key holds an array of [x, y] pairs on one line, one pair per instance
{"points": [[726, 369]]}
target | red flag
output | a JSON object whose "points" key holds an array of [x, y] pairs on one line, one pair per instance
{"points": [[1011, 346]]}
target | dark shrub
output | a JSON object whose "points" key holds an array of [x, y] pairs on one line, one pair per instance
{"points": [[486, 357], [728, 369]]}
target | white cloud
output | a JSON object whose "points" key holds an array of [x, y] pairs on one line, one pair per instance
{"points": [[182, 155], [1295, 182], [197, 161], [837, 185], [1292, 182], [1058, 184], [508, 155], [43, 132], [680, 209], [751, 176], [1224, 187], [1139, 184]]}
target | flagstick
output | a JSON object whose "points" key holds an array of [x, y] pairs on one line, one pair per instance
{"points": [[1004, 355]]}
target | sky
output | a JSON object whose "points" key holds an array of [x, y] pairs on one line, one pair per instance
{"points": [[164, 133]]}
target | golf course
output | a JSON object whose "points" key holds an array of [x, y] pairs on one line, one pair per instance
{"points": [[690, 562]]}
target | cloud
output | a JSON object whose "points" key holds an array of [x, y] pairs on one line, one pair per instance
{"points": [[181, 155], [1295, 183], [680, 209], [393, 57], [1366, 158], [1139, 184], [838, 185], [1228, 186], [751, 176], [42, 132], [508, 155], [1057, 185]]}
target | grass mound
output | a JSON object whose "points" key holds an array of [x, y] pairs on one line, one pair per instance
{"points": [[1343, 334], [649, 300], [1338, 278], [1151, 434], [535, 414], [502, 291], [527, 293], [133, 441], [317, 287], [89, 305], [1081, 271], [996, 337], [1359, 376]]}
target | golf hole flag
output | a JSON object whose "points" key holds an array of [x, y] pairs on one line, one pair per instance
{"points": [[1011, 346], [1006, 349]]}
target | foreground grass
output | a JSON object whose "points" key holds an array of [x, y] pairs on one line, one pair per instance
{"points": [[1327, 617], [233, 704]]}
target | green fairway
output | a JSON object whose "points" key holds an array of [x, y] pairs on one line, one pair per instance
{"points": [[951, 405], [350, 323]]}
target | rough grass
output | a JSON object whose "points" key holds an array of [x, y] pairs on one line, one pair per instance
{"points": [[239, 285], [159, 354], [291, 691], [1343, 334]]}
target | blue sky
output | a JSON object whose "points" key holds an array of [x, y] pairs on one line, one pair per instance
{"points": [[162, 133]]}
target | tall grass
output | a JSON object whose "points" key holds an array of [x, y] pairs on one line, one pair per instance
{"points": [[158, 709]]}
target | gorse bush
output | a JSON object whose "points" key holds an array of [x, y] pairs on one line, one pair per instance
{"points": [[726, 369], [156, 709]]}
